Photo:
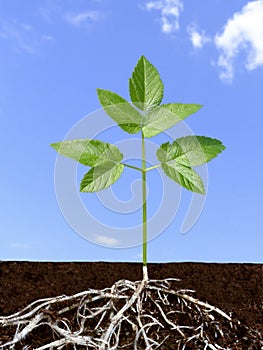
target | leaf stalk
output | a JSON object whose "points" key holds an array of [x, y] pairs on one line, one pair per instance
{"points": [[153, 167], [132, 167]]}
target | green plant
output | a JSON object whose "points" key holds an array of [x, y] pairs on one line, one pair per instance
{"points": [[147, 116], [146, 314]]}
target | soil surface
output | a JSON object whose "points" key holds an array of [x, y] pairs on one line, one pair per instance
{"points": [[235, 288]]}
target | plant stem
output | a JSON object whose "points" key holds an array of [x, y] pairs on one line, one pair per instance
{"points": [[144, 203]]}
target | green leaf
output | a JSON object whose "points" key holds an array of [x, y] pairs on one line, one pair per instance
{"points": [[101, 176], [166, 116], [145, 85], [178, 158], [88, 152], [190, 150], [184, 176], [121, 111]]}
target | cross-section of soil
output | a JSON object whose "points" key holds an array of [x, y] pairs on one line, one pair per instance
{"points": [[234, 288]]}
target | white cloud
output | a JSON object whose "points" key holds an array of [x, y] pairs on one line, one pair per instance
{"points": [[244, 31], [19, 245], [18, 35], [22, 37], [170, 13], [83, 17], [49, 38], [198, 38], [107, 240]]}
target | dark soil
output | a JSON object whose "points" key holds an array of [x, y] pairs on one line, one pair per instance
{"points": [[234, 288]]}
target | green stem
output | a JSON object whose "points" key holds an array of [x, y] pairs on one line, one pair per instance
{"points": [[144, 208], [132, 167], [153, 167]]}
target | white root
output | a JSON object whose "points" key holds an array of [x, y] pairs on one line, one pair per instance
{"points": [[207, 306], [100, 316], [116, 319], [145, 273]]}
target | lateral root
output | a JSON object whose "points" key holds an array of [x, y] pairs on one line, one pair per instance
{"points": [[147, 314]]}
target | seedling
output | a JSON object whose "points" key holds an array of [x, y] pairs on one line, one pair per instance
{"points": [[146, 314], [148, 117]]}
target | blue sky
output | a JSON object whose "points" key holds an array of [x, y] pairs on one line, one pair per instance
{"points": [[53, 56]]}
